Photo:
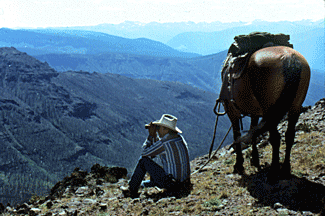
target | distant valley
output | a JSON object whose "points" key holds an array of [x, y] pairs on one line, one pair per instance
{"points": [[200, 72]]}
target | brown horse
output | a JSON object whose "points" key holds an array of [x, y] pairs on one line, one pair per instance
{"points": [[275, 82]]}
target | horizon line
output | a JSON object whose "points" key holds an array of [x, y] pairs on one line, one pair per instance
{"points": [[196, 23]]}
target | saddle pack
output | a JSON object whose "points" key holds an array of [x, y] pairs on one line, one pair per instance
{"points": [[245, 45]]}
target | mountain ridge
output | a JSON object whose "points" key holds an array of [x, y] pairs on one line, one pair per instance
{"points": [[164, 32], [73, 41], [206, 43]]}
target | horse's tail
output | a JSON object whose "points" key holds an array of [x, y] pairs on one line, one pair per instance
{"points": [[292, 70]]}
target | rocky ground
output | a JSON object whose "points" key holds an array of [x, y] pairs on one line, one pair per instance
{"points": [[216, 190]]}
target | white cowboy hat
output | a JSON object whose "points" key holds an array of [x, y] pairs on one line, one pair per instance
{"points": [[168, 121]]}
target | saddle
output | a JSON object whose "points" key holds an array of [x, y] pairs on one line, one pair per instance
{"points": [[244, 46]]}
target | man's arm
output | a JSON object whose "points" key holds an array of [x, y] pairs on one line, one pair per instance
{"points": [[151, 149], [151, 146], [152, 129]]}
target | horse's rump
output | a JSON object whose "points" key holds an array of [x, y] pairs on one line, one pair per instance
{"points": [[275, 74]]}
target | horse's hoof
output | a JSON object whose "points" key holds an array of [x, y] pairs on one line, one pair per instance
{"points": [[239, 170], [256, 164], [267, 165], [271, 179], [286, 169], [285, 172]]}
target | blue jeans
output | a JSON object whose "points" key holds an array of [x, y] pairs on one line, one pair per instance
{"points": [[158, 176]]}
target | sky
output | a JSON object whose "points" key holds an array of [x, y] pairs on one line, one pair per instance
{"points": [[63, 13]]}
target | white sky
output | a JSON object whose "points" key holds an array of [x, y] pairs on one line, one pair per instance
{"points": [[53, 13]]}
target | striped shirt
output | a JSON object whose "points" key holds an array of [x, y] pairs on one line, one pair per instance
{"points": [[173, 153]]}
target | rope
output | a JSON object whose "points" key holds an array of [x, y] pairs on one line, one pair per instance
{"points": [[215, 128], [213, 153]]}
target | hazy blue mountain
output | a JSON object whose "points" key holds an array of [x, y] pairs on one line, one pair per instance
{"points": [[82, 42], [316, 89], [206, 43], [162, 32], [312, 45]]}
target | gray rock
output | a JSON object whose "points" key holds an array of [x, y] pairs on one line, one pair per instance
{"points": [[277, 205], [103, 206], [75, 203], [307, 213], [8, 209], [89, 201], [82, 191], [35, 210], [282, 210], [136, 200], [63, 213], [169, 199]]}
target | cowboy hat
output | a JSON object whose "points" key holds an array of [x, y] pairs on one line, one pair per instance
{"points": [[168, 121]]}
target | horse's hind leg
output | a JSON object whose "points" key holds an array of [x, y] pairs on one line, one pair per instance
{"points": [[255, 161], [275, 137], [289, 137], [275, 142], [238, 167]]}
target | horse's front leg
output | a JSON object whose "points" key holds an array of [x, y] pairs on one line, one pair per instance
{"points": [[239, 167]]}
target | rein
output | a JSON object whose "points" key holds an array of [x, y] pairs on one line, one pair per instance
{"points": [[215, 126], [214, 135]]}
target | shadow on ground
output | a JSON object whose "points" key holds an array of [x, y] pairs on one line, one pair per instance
{"points": [[294, 193]]}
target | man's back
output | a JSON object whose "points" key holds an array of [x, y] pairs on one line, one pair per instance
{"points": [[175, 158]]}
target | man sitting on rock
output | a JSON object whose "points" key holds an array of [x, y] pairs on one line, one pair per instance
{"points": [[172, 149]]}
